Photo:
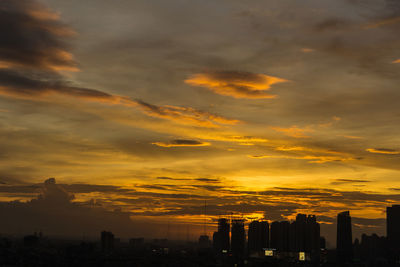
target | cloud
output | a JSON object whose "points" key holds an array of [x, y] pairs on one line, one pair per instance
{"points": [[294, 131], [307, 50], [54, 213], [184, 115], [348, 181], [33, 51], [310, 158], [181, 142], [204, 180], [236, 84], [383, 22], [383, 151], [41, 86], [396, 61], [31, 37], [332, 25]]}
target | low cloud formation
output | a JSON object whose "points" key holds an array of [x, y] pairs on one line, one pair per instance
{"points": [[383, 151], [180, 143], [397, 61], [236, 84], [54, 213]]}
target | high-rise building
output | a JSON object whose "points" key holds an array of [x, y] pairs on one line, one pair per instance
{"points": [[258, 236], [280, 235], [344, 246], [221, 240], [238, 241], [300, 232], [393, 226], [107, 241]]}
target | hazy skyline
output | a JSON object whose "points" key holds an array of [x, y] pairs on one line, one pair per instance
{"points": [[263, 108]]}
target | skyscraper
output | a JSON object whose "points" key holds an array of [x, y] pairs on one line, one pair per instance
{"points": [[280, 238], [107, 241], [238, 239], [258, 236], [221, 237], [344, 246], [393, 229]]}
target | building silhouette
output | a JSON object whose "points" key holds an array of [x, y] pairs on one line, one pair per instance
{"points": [[393, 226], [238, 241], [280, 236], [344, 246], [393, 230], [107, 241], [221, 240], [258, 236]]}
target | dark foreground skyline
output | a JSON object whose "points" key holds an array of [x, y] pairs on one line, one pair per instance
{"points": [[296, 243], [235, 240]]}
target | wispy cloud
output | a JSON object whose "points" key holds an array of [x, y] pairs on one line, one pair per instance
{"points": [[397, 61], [181, 143], [294, 131], [309, 158], [387, 151], [349, 181], [383, 22], [236, 84]]}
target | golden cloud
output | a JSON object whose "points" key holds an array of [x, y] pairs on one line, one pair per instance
{"points": [[294, 131], [236, 84], [396, 61], [310, 158], [383, 151], [181, 143]]}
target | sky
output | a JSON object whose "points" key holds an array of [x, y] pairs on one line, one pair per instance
{"points": [[144, 111]]}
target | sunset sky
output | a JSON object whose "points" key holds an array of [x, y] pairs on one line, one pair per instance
{"points": [[262, 109]]}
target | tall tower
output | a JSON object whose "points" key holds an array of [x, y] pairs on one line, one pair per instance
{"points": [[258, 236], [238, 241], [222, 236], [393, 228], [344, 241]]}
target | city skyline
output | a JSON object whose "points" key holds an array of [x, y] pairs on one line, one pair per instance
{"points": [[145, 110]]}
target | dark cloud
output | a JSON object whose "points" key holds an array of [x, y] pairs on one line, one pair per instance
{"points": [[207, 180], [349, 181], [333, 24], [32, 36], [54, 214]]}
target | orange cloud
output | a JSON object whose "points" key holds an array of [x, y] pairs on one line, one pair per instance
{"points": [[307, 50], [294, 131], [382, 23], [383, 151], [310, 158], [396, 61], [181, 143], [236, 84]]}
